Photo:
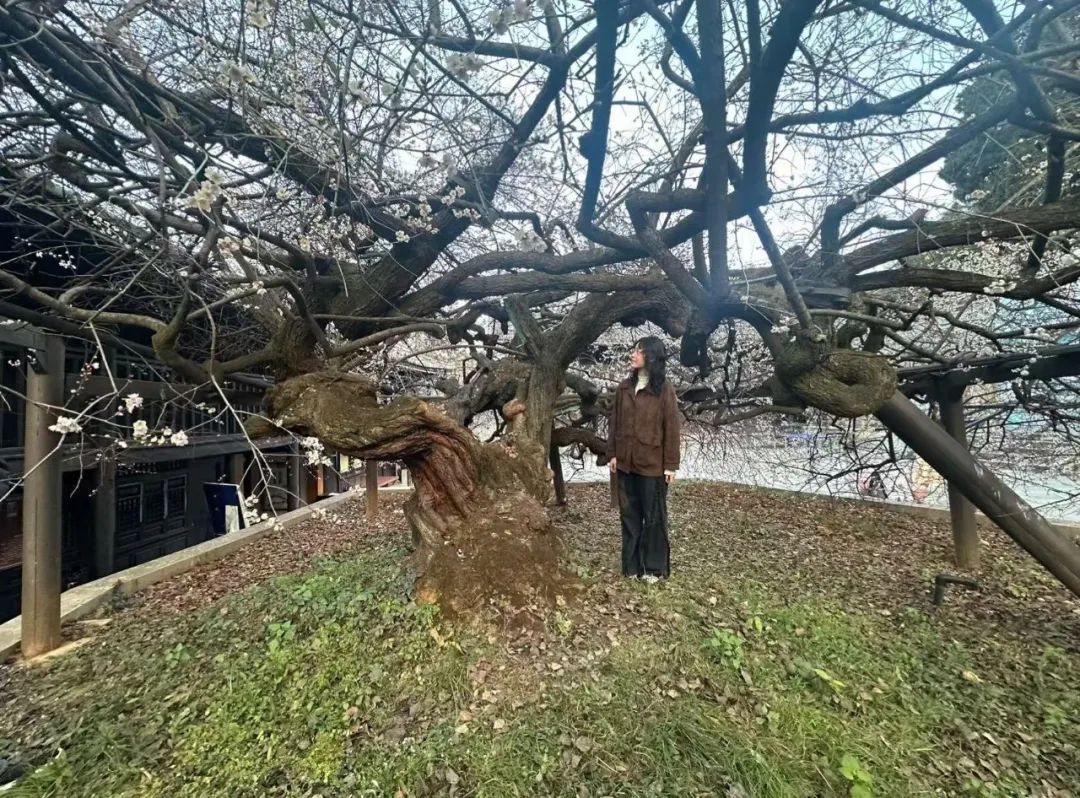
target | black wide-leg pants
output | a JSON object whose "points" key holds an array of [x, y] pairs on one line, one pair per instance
{"points": [[643, 511]]}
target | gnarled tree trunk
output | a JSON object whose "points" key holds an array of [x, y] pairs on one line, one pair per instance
{"points": [[483, 543]]}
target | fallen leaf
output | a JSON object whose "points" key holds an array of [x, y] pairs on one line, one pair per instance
{"points": [[583, 744]]}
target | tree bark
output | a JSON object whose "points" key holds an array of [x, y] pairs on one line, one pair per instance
{"points": [[483, 544]]}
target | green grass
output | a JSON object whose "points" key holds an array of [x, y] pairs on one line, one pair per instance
{"points": [[330, 684]]}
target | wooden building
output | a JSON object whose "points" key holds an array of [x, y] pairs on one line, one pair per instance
{"points": [[124, 504]]}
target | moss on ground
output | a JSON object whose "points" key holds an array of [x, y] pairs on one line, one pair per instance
{"points": [[742, 676]]}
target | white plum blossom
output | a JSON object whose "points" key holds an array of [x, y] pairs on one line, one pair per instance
{"points": [[179, 438], [258, 12], [402, 236], [528, 241], [313, 451], [66, 426], [500, 18], [999, 286], [238, 73], [207, 193], [358, 94], [140, 429], [133, 402], [463, 65]]}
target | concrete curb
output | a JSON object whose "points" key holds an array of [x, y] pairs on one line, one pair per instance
{"points": [[85, 599]]}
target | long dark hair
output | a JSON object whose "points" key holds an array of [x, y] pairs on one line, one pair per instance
{"points": [[655, 363]]}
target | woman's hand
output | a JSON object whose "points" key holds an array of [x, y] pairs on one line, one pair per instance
{"points": [[669, 478], [611, 465]]}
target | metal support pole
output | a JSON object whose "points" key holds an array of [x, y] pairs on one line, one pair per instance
{"points": [[962, 512], [954, 462], [371, 480], [42, 498]]}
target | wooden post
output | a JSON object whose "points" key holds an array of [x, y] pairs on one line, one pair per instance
{"points": [[294, 470], [556, 468], [333, 475], [105, 517], [965, 532], [371, 481], [42, 498], [236, 469], [1056, 552]]}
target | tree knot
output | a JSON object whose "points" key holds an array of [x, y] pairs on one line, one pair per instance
{"points": [[842, 382]]}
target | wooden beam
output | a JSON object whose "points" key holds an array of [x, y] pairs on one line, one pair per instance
{"points": [[964, 529], [42, 499], [371, 482]]}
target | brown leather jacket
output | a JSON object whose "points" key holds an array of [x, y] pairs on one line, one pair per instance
{"points": [[643, 430]]}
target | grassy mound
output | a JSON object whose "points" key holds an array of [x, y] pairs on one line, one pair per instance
{"points": [[758, 670]]}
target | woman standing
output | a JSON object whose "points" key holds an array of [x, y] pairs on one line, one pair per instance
{"points": [[643, 450]]}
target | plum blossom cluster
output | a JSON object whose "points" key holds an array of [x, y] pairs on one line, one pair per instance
{"points": [[133, 402], [463, 65], [999, 286], [501, 18], [528, 241], [258, 12], [207, 193], [238, 74], [142, 435], [313, 451], [66, 425]]}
